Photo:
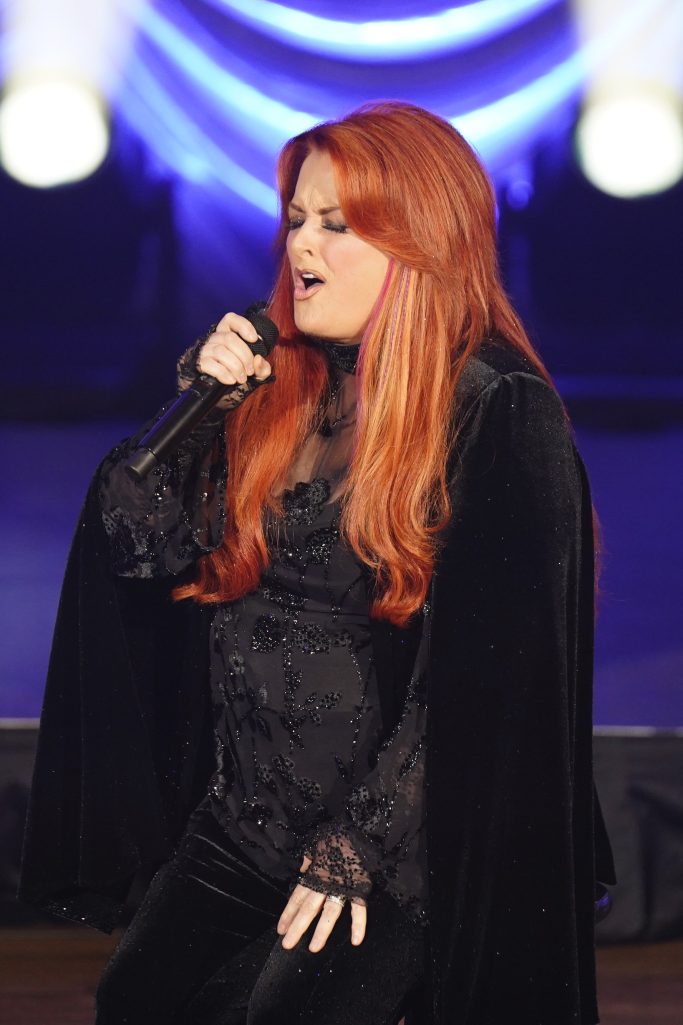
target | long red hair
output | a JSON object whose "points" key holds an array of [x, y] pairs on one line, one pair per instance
{"points": [[409, 184]]}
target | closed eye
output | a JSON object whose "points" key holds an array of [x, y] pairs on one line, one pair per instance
{"points": [[296, 222]]}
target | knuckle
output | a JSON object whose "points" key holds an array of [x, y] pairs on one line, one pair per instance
{"points": [[220, 373], [246, 356], [225, 321], [240, 325], [233, 353], [228, 357]]}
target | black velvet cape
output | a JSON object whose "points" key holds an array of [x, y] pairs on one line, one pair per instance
{"points": [[515, 838]]}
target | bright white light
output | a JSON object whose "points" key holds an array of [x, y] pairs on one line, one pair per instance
{"points": [[631, 144], [629, 138], [52, 132]]}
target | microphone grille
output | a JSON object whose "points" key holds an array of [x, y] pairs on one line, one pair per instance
{"points": [[264, 325]]}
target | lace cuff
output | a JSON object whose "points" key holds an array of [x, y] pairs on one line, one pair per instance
{"points": [[341, 863], [188, 372], [378, 843]]}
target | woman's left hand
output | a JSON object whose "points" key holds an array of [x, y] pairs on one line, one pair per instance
{"points": [[302, 907]]}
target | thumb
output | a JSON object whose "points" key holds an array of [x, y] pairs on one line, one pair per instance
{"points": [[305, 863]]}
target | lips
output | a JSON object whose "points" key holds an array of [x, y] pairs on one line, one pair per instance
{"points": [[307, 282]]}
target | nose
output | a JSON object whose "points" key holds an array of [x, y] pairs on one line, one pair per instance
{"points": [[303, 239]]}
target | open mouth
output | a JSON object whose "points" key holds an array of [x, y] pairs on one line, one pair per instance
{"points": [[309, 280], [305, 283]]}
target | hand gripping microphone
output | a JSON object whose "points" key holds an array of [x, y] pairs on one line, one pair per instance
{"points": [[193, 404]]}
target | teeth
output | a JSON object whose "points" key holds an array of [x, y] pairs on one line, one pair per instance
{"points": [[310, 279]]}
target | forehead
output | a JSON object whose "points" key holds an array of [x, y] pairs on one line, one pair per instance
{"points": [[316, 184]]}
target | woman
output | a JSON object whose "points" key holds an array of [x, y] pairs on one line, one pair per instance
{"points": [[389, 560]]}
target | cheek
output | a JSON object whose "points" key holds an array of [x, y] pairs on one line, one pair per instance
{"points": [[365, 281], [359, 273]]}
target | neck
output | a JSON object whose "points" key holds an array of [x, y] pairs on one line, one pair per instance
{"points": [[342, 355]]}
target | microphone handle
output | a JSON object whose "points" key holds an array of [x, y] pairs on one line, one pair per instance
{"points": [[185, 412]]}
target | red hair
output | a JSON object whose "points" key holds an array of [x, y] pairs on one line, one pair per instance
{"points": [[409, 184]]}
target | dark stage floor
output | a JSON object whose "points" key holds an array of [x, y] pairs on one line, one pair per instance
{"points": [[49, 977]]}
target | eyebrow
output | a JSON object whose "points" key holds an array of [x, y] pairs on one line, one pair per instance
{"points": [[323, 210]]}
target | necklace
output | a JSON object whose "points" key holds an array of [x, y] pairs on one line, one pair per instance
{"points": [[341, 357], [326, 425]]}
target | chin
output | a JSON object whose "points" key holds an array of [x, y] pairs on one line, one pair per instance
{"points": [[319, 327], [312, 325]]}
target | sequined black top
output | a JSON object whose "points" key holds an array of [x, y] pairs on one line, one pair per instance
{"points": [[296, 710]]}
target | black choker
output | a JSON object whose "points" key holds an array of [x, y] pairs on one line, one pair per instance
{"points": [[344, 357]]}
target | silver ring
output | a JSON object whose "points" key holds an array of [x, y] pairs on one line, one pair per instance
{"points": [[336, 898]]}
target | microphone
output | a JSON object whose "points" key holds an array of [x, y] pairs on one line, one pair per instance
{"points": [[193, 404]]}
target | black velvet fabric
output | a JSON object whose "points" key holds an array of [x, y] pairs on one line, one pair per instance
{"points": [[203, 949], [513, 848]]}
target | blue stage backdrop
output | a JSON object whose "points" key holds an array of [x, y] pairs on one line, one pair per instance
{"points": [[175, 228], [215, 87]]}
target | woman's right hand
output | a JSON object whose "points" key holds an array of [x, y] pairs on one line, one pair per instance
{"points": [[225, 355]]}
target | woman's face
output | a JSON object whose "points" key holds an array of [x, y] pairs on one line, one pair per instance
{"points": [[337, 276]]}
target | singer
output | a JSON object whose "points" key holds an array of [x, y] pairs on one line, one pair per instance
{"points": [[322, 680]]}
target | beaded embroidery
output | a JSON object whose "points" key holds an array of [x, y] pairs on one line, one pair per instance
{"points": [[298, 766]]}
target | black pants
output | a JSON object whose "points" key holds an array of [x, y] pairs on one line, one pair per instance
{"points": [[203, 949]]}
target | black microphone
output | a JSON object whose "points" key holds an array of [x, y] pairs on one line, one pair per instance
{"points": [[193, 404]]}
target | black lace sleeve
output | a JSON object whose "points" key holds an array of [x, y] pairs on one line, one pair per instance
{"points": [[379, 842], [159, 526]]}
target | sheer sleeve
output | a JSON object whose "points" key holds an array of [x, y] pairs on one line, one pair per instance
{"points": [[158, 526], [378, 841]]}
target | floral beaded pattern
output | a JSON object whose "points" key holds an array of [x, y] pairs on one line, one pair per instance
{"points": [[296, 709], [161, 525], [298, 764]]}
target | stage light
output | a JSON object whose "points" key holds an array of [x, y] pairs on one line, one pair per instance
{"points": [[446, 30], [519, 191], [629, 135], [179, 53], [61, 62], [242, 101], [52, 131], [631, 144]]}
